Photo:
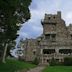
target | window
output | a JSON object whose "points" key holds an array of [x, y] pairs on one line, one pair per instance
{"points": [[71, 36], [51, 37], [34, 52], [52, 23], [65, 51], [48, 51], [38, 42], [47, 36], [49, 18], [47, 60], [54, 17]]}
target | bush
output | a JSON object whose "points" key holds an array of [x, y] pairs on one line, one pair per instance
{"points": [[36, 61], [21, 58], [68, 61], [54, 62]]}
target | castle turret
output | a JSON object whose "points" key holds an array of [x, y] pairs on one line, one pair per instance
{"points": [[54, 27]]}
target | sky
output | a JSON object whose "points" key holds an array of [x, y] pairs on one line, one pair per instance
{"points": [[33, 28]]}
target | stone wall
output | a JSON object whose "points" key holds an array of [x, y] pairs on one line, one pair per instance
{"points": [[56, 35]]}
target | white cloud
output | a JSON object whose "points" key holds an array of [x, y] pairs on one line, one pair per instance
{"points": [[67, 17], [37, 14]]}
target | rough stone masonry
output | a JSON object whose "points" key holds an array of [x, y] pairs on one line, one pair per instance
{"points": [[55, 42]]}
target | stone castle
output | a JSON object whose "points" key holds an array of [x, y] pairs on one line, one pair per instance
{"points": [[55, 42]]}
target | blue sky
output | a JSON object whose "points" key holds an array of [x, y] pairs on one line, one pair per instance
{"points": [[38, 8]]}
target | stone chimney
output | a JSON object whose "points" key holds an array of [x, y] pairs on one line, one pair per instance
{"points": [[59, 14]]}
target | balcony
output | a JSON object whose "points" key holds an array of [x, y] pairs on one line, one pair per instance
{"points": [[50, 56], [49, 43], [55, 43]]}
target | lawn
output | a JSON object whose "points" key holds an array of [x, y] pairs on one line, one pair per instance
{"points": [[58, 69], [14, 65]]}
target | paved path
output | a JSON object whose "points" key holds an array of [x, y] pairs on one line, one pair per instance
{"points": [[37, 69]]}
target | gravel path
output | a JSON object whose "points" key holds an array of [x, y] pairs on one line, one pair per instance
{"points": [[37, 69]]}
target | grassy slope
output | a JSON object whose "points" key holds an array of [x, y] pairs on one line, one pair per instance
{"points": [[13, 65], [58, 69]]}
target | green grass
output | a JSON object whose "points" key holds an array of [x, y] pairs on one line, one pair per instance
{"points": [[58, 69], [14, 65]]}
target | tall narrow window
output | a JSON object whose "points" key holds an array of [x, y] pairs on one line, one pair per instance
{"points": [[47, 36], [53, 36], [71, 36]]}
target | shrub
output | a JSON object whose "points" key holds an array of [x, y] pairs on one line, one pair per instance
{"points": [[54, 62], [35, 61], [68, 61]]}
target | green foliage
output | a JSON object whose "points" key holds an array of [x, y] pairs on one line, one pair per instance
{"points": [[68, 61], [12, 13], [15, 65], [54, 62], [35, 61], [58, 69]]}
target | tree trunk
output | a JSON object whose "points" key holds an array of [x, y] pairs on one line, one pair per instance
{"points": [[4, 54]]}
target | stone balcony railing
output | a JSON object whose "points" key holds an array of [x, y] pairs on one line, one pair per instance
{"points": [[49, 43], [56, 55]]}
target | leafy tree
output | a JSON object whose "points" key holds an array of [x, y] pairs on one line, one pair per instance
{"points": [[12, 14]]}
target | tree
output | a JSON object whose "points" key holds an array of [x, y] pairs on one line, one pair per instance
{"points": [[12, 14]]}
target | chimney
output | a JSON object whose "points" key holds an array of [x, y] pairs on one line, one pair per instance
{"points": [[59, 14]]}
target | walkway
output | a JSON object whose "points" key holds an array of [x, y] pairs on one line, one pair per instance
{"points": [[37, 69]]}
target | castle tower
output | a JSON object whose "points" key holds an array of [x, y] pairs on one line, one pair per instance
{"points": [[54, 27]]}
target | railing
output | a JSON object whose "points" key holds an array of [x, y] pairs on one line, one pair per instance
{"points": [[46, 42], [55, 55]]}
